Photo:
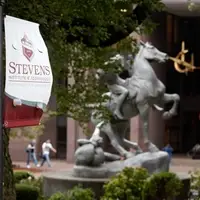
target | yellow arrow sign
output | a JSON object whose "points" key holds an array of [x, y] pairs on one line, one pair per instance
{"points": [[179, 60]]}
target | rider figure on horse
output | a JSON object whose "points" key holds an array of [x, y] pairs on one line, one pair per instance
{"points": [[110, 79]]}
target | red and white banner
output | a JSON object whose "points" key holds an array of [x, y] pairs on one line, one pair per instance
{"points": [[29, 77]]}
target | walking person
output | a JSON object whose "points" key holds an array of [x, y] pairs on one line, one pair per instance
{"points": [[46, 147], [31, 155]]}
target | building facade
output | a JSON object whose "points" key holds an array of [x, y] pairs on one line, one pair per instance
{"points": [[175, 25]]}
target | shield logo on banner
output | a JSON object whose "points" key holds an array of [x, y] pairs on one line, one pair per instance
{"points": [[27, 48]]}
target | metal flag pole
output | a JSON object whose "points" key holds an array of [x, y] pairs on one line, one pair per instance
{"points": [[2, 2]]}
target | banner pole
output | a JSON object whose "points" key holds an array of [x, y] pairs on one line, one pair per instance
{"points": [[2, 2]]}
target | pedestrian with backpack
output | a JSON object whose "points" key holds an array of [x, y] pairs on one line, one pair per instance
{"points": [[31, 155]]}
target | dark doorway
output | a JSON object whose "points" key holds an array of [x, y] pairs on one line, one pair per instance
{"points": [[187, 86], [191, 130], [189, 32], [61, 140]]}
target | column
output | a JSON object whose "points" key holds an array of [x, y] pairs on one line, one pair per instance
{"points": [[72, 128], [136, 131]]}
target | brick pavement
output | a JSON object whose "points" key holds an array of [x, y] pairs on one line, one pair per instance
{"points": [[179, 164]]}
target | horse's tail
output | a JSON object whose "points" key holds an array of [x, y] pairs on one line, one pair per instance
{"points": [[158, 108]]}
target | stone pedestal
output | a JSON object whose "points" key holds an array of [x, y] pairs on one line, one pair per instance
{"points": [[96, 177], [63, 181], [153, 162]]}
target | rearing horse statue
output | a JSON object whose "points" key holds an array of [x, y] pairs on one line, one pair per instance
{"points": [[145, 91]]}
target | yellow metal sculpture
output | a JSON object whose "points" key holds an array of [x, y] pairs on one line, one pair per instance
{"points": [[180, 64]]}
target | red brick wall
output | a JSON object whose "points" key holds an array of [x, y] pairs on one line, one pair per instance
{"points": [[17, 149]]}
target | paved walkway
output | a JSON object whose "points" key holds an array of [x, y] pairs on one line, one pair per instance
{"points": [[179, 164]]}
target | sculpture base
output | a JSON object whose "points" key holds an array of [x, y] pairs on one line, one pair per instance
{"points": [[90, 172], [153, 162], [63, 181]]}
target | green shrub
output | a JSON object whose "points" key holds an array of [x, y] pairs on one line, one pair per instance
{"points": [[80, 193], [38, 182], [195, 180], [22, 175], [58, 196], [164, 185], [128, 185], [77, 193], [26, 192]]}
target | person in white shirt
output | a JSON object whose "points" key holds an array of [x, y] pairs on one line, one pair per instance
{"points": [[46, 147]]}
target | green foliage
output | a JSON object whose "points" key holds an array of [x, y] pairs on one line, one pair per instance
{"points": [[136, 184], [195, 181], [22, 175], [76, 33], [162, 186], [58, 196], [24, 192], [128, 185], [77, 193], [192, 6], [80, 193], [35, 182], [91, 21]]}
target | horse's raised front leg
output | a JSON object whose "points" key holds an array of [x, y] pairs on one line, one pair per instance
{"points": [[144, 115], [106, 128], [167, 98]]}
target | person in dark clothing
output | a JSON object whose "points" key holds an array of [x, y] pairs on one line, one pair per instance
{"points": [[169, 150], [31, 155]]}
